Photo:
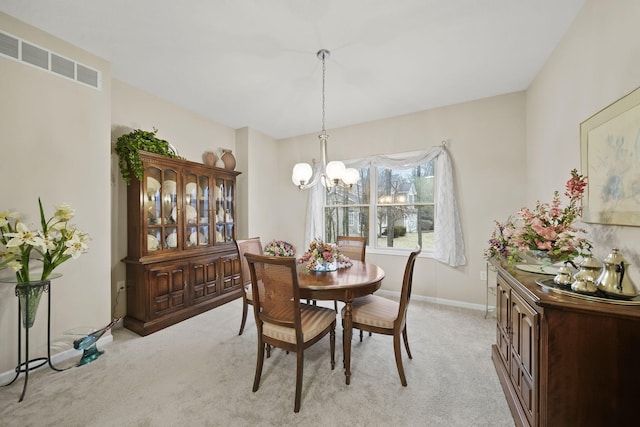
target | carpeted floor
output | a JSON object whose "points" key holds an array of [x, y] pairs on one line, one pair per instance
{"points": [[200, 373]]}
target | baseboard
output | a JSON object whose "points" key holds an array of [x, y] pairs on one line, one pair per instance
{"points": [[453, 303], [57, 359]]}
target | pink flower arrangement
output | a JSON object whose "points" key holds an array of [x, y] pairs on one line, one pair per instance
{"points": [[320, 252], [548, 229]]}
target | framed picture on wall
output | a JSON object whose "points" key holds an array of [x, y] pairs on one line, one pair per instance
{"points": [[610, 158]]}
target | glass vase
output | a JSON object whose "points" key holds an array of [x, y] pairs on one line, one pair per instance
{"points": [[326, 266], [29, 294], [544, 257]]}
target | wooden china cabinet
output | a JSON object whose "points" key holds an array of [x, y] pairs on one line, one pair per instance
{"points": [[564, 360], [181, 259]]}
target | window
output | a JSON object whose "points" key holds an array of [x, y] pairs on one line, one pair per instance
{"points": [[399, 215], [405, 207], [347, 211], [361, 210]]}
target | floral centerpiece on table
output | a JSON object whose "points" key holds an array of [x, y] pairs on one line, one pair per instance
{"points": [[279, 248], [547, 232], [55, 243], [321, 254]]}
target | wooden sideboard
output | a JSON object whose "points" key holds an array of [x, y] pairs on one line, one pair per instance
{"points": [[562, 360]]}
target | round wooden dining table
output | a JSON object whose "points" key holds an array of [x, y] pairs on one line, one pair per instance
{"points": [[344, 284]]}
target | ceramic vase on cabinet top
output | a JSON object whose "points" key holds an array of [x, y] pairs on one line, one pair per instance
{"points": [[209, 158], [228, 159]]}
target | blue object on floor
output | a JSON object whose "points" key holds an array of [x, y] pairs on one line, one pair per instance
{"points": [[88, 344]]}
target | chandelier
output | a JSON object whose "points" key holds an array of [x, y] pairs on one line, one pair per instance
{"points": [[333, 173]]}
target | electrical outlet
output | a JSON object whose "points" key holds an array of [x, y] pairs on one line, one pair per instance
{"points": [[120, 285], [483, 276]]}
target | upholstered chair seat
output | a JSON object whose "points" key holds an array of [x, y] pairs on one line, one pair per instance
{"points": [[373, 310], [314, 320]]}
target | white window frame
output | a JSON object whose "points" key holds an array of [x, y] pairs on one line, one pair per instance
{"points": [[373, 206], [449, 245]]}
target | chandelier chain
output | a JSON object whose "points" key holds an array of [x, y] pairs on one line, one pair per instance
{"points": [[323, 96], [331, 173]]}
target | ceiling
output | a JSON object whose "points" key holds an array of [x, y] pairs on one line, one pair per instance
{"points": [[253, 62]]}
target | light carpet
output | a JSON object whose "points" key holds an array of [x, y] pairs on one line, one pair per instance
{"points": [[200, 373]]}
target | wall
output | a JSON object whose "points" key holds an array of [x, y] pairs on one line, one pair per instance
{"points": [[486, 140], [597, 62], [190, 133], [257, 156], [55, 145]]}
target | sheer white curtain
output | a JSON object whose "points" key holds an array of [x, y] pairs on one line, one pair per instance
{"points": [[448, 245]]}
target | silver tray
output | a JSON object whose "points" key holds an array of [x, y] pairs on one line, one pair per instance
{"points": [[597, 297]]}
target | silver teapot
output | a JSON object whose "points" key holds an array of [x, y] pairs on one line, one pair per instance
{"points": [[614, 279], [585, 279], [564, 275]]}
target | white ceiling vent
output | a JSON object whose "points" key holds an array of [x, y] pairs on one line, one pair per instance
{"points": [[27, 53]]}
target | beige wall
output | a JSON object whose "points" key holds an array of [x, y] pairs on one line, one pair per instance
{"points": [[486, 140], [257, 156], [596, 63], [55, 145], [190, 133]]}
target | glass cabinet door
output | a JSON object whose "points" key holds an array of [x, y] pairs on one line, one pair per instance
{"points": [[220, 191], [224, 212], [229, 213], [204, 210], [160, 208], [197, 211]]}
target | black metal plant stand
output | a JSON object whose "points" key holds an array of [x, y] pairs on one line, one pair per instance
{"points": [[27, 365]]}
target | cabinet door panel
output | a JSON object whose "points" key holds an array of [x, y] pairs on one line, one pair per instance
{"points": [[525, 325], [524, 322], [166, 289], [502, 329], [230, 272], [204, 278]]}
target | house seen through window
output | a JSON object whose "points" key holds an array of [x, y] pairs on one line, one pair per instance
{"points": [[393, 208]]}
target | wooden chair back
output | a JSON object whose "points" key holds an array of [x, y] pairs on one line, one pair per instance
{"points": [[251, 245], [407, 282], [279, 301], [352, 246]]}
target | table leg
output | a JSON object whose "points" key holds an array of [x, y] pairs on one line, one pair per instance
{"points": [[346, 341]]}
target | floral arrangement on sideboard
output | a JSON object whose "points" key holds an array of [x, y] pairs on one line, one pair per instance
{"points": [[547, 232], [279, 248], [322, 256]]}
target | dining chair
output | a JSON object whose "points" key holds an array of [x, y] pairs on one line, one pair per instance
{"points": [[352, 246], [252, 245], [383, 316], [355, 247], [282, 321]]}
